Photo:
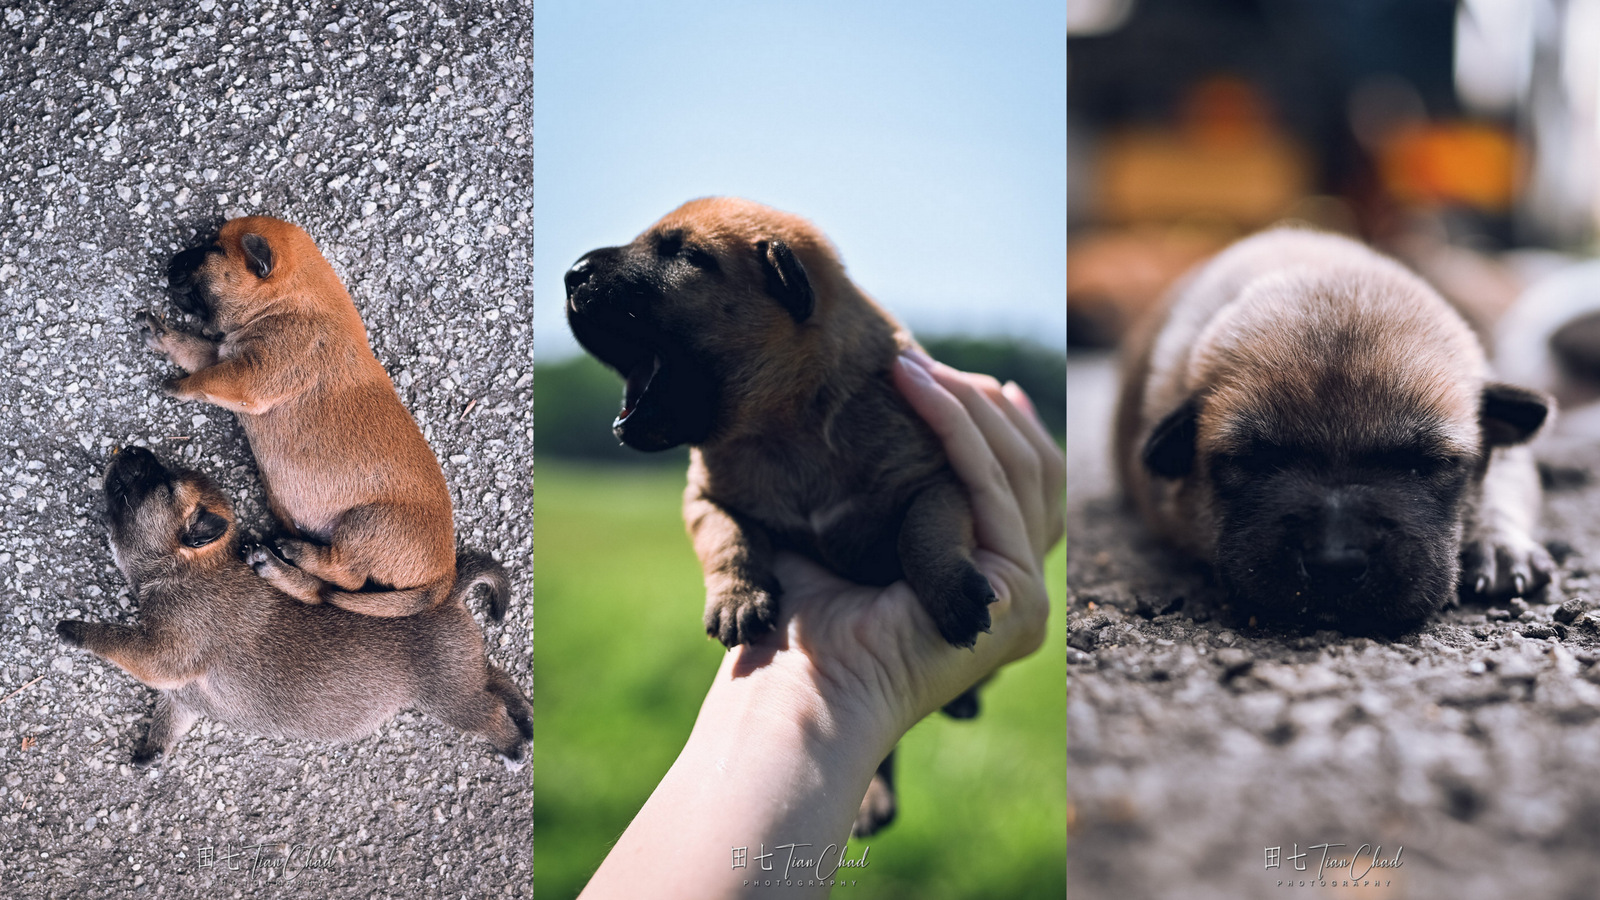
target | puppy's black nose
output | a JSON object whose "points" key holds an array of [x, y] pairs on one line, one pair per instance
{"points": [[1335, 569], [580, 272]]}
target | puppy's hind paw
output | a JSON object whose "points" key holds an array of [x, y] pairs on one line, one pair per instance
{"points": [[72, 631], [1503, 565], [961, 609], [877, 810], [741, 615], [145, 756]]}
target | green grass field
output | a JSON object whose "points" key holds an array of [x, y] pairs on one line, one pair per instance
{"points": [[621, 665]]}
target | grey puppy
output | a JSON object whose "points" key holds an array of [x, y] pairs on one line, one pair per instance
{"points": [[216, 640]]}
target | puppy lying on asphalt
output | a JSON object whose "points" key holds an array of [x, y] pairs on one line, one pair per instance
{"points": [[738, 333], [347, 472], [215, 640], [1319, 424]]}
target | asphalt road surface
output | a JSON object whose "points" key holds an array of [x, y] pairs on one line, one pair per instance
{"points": [[398, 135], [1468, 752]]}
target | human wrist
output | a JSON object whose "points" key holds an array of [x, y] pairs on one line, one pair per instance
{"points": [[832, 718]]}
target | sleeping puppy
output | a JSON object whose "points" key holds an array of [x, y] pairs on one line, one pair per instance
{"points": [[346, 470], [1320, 425], [738, 333], [215, 640]]}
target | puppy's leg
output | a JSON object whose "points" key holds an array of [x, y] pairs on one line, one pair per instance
{"points": [[741, 591], [936, 553], [1499, 557], [878, 806], [169, 721], [191, 352], [247, 383], [390, 544], [285, 577], [153, 660]]}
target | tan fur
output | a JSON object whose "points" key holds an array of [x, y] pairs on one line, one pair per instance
{"points": [[1319, 335], [218, 641], [347, 472]]}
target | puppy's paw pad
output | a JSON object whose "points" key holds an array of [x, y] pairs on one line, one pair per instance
{"points": [[146, 756], [877, 809], [742, 615], [72, 631]]}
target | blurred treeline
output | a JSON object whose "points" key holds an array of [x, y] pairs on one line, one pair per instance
{"points": [[576, 399]]}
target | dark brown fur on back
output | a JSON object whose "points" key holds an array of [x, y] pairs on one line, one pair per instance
{"points": [[216, 640]]}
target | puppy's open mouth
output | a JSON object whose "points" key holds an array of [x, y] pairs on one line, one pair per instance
{"points": [[637, 386]]}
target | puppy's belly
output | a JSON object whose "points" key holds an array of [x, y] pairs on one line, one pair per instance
{"points": [[289, 707], [855, 547]]}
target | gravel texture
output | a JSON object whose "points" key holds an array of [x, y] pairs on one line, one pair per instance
{"points": [[1197, 742], [398, 135]]}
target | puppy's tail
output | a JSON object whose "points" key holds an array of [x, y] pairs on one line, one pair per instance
{"points": [[474, 568]]}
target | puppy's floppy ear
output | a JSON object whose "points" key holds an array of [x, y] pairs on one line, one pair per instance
{"points": [[206, 529], [1511, 414], [258, 254], [1170, 450], [787, 279]]}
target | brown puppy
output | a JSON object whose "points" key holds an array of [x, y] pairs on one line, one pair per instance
{"points": [[347, 472], [1319, 424], [217, 641], [739, 334]]}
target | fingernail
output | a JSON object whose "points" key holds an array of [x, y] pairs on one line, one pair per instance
{"points": [[913, 369], [921, 358]]}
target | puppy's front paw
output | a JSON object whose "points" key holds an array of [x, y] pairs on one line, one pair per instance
{"points": [[292, 550], [174, 387], [740, 615], [1504, 564], [72, 631], [959, 605], [261, 559], [152, 331]]}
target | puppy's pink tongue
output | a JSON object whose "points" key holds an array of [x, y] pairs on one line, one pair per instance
{"points": [[638, 380]]}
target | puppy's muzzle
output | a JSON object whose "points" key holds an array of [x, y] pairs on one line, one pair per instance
{"points": [[1337, 551], [133, 472], [188, 291]]}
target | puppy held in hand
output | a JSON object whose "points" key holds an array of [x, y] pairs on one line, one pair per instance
{"points": [[738, 333], [215, 640], [347, 472], [1322, 426]]}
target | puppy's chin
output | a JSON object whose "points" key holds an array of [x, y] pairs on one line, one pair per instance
{"points": [[1401, 588]]}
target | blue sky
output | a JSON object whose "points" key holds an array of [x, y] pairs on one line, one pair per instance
{"points": [[927, 139]]}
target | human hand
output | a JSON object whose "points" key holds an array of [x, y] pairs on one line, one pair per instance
{"points": [[873, 655]]}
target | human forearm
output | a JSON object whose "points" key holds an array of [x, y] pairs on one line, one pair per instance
{"points": [[776, 764]]}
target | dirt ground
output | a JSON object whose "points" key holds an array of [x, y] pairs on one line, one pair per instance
{"points": [[398, 135], [1469, 750]]}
